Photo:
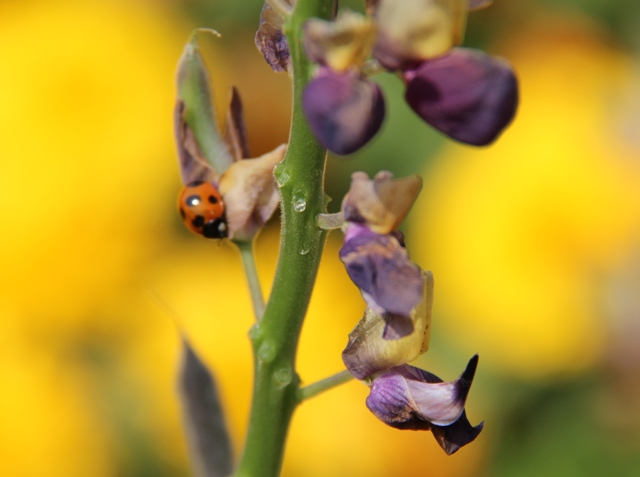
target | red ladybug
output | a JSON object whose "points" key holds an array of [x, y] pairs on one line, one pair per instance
{"points": [[202, 209]]}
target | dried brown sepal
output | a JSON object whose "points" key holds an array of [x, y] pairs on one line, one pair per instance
{"points": [[341, 44], [193, 166], [270, 38], [250, 194], [381, 203], [236, 129]]}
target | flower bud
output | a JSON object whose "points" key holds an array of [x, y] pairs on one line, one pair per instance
{"points": [[468, 95], [344, 110], [196, 120]]}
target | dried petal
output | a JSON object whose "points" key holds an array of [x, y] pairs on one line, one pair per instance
{"points": [[236, 129], [381, 269], [270, 38], [468, 95], [406, 397], [381, 203], [193, 166], [344, 111], [250, 193], [340, 44], [411, 31], [373, 347], [197, 113]]}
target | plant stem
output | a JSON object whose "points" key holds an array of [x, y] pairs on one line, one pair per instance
{"points": [[275, 338], [250, 270], [323, 385]]}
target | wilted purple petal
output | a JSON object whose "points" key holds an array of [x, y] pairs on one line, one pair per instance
{"points": [[380, 267], [409, 398], [383, 341], [468, 95], [344, 110]]}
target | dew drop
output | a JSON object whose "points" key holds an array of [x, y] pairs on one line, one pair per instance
{"points": [[282, 179], [299, 204]]}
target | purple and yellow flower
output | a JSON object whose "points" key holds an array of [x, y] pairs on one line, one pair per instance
{"points": [[344, 108], [469, 96], [396, 326]]}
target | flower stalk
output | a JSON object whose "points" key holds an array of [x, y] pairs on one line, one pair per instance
{"points": [[251, 272], [300, 177], [312, 390]]}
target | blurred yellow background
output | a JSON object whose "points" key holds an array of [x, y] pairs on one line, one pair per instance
{"points": [[534, 243]]}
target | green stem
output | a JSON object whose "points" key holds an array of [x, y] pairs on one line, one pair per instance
{"points": [[275, 338], [314, 389], [251, 272]]}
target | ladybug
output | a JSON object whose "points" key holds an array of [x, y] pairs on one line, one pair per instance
{"points": [[202, 209]]}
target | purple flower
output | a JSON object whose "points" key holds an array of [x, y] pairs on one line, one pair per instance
{"points": [[406, 397], [468, 95], [344, 110], [381, 269]]}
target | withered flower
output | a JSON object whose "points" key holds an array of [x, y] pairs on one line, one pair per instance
{"points": [[247, 186], [396, 326]]}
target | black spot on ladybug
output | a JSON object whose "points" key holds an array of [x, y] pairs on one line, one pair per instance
{"points": [[182, 214], [215, 229], [198, 221], [213, 199], [195, 183], [193, 200]]}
